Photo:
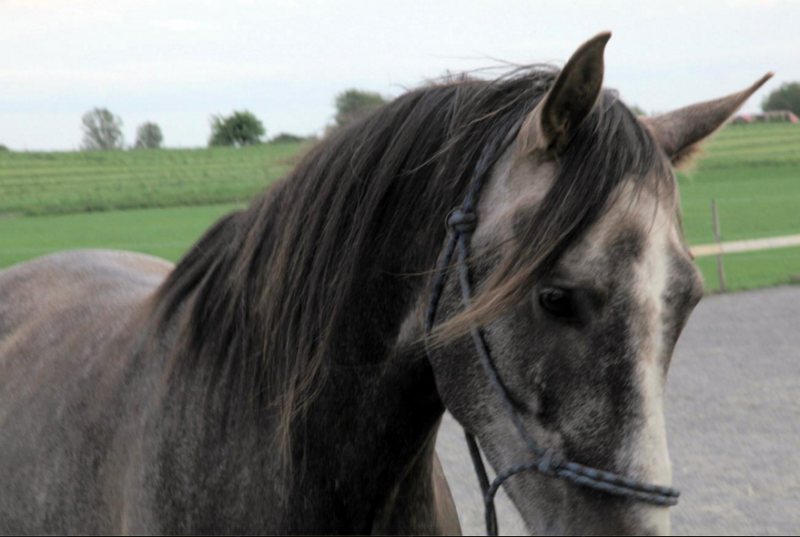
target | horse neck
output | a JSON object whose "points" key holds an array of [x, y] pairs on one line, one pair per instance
{"points": [[364, 451], [371, 428], [367, 445]]}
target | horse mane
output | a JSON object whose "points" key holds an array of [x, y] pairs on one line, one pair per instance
{"points": [[316, 271]]}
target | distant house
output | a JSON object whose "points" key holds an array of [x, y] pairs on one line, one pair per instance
{"points": [[775, 116]]}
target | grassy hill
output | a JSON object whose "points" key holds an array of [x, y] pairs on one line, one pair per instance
{"points": [[172, 196], [35, 184]]}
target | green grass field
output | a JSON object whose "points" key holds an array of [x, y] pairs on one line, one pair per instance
{"points": [[164, 233], [172, 196], [753, 172], [35, 184]]}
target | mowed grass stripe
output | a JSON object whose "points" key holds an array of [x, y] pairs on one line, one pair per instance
{"points": [[187, 175], [56, 160], [769, 144], [87, 175], [34, 202], [178, 197]]}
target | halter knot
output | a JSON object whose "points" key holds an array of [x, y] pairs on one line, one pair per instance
{"points": [[550, 463], [462, 221]]}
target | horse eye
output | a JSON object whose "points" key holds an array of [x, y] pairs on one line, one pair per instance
{"points": [[559, 303]]}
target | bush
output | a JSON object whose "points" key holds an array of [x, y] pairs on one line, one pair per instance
{"points": [[149, 136], [239, 129], [786, 97], [286, 138], [102, 130], [353, 104]]}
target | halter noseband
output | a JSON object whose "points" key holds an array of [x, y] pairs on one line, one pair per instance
{"points": [[461, 223]]}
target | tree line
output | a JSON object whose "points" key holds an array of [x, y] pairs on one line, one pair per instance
{"points": [[786, 97], [102, 130]]}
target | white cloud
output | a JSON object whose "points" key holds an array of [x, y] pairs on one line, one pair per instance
{"points": [[178, 25], [72, 11], [752, 3], [137, 76], [40, 5]]}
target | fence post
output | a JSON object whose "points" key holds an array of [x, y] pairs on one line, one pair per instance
{"points": [[718, 239]]}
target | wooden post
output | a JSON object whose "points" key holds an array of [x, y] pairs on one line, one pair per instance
{"points": [[718, 239]]}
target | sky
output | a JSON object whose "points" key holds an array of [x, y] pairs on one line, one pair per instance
{"points": [[177, 62]]}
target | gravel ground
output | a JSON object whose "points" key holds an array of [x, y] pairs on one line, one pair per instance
{"points": [[733, 415]]}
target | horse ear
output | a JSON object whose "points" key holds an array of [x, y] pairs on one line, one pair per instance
{"points": [[570, 99], [680, 132]]}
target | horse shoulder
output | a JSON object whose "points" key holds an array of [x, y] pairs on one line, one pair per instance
{"points": [[65, 364]]}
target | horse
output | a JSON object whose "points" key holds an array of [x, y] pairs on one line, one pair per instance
{"points": [[280, 377]]}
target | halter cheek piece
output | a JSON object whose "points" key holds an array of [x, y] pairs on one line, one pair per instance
{"points": [[461, 223]]}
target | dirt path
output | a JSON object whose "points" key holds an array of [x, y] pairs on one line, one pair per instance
{"points": [[733, 414]]}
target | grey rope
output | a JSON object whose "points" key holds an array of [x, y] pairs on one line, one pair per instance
{"points": [[462, 222]]}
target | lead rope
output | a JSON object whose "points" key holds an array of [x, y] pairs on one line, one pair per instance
{"points": [[462, 222]]}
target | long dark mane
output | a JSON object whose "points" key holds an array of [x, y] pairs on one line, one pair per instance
{"points": [[322, 268]]}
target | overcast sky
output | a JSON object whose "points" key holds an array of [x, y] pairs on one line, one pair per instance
{"points": [[176, 62]]}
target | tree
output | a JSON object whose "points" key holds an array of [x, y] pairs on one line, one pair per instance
{"points": [[238, 129], [286, 138], [786, 97], [3, 148], [149, 136], [102, 130], [353, 104]]}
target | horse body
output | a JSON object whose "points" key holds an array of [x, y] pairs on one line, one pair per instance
{"points": [[275, 380], [87, 447], [70, 388]]}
